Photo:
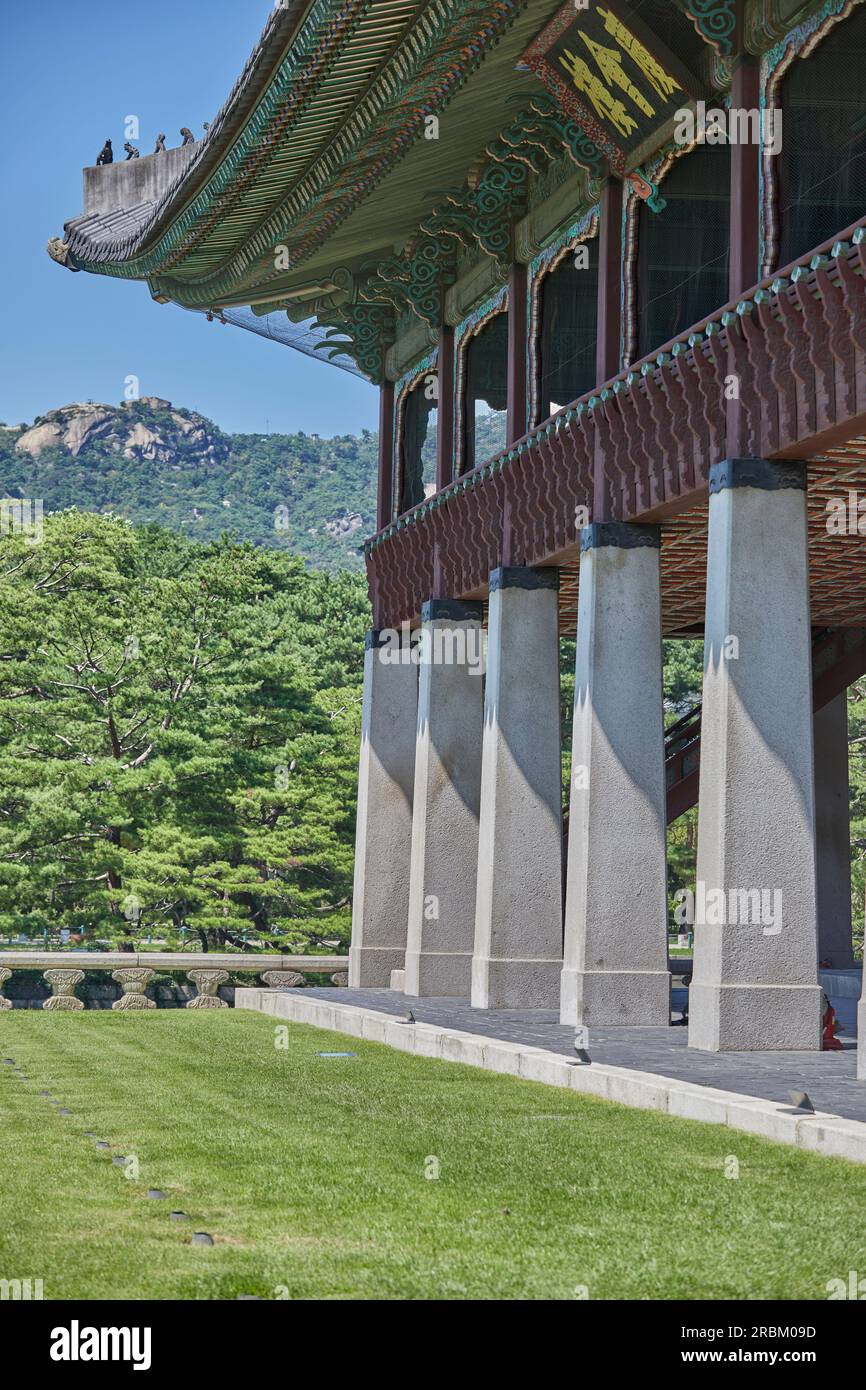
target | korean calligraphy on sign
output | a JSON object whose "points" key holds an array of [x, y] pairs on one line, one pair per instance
{"points": [[610, 74]]}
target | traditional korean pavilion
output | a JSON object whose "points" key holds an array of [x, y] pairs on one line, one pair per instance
{"points": [[605, 262]]}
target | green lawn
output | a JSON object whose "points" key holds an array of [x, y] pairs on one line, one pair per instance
{"points": [[310, 1174]]}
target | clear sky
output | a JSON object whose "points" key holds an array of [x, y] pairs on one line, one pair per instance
{"points": [[69, 76]]}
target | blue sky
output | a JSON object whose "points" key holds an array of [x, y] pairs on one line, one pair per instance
{"points": [[69, 76]]}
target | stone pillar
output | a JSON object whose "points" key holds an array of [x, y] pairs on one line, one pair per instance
{"points": [[616, 965], [383, 838], [755, 981], [446, 801], [518, 912], [833, 834]]}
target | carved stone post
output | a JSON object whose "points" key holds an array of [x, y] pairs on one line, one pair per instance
{"points": [[207, 983], [283, 979], [63, 984], [4, 976], [133, 982]]}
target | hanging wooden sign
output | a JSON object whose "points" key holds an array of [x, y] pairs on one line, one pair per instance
{"points": [[611, 75]]}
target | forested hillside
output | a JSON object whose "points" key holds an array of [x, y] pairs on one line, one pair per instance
{"points": [[149, 461]]}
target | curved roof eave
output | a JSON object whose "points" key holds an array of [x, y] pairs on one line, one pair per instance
{"points": [[258, 70], [199, 221]]}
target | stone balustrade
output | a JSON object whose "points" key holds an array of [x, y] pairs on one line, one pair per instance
{"points": [[134, 972]]}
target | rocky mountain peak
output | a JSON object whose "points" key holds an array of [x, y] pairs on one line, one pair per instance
{"points": [[148, 428]]}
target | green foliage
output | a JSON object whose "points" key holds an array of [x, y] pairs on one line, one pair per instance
{"points": [[150, 463], [178, 738], [683, 676]]}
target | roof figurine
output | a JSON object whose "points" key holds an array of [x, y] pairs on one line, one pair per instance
{"points": [[160, 144], [106, 154], [131, 151], [188, 137]]}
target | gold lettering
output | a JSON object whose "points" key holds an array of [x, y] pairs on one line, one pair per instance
{"points": [[610, 66], [660, 80], [607, 106]]}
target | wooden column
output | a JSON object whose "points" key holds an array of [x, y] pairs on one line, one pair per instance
{"points": [[608, 316], [445, 409], [608, 325], [384, 496], [743, 270], [517, 330]]}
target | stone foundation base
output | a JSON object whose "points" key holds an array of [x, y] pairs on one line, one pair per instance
{"points": [[755, 1018], [438, 976], [515, 984], [611, 998], [370, 966]]}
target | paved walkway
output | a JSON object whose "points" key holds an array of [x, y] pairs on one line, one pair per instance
{"points": [[830, 1078]]}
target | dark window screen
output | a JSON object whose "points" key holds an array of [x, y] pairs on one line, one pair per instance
{"points": [[417, 448], [486, 398], [822, 163], [682, 260], [675, 30], [568, 318]]}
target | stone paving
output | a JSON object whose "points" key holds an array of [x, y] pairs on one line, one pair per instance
{"points": [[830, 1078]]}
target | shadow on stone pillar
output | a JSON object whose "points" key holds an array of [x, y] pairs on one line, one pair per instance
{"points": [[755, 973], [383, 838], [446, 801], [615, 969], [518, 915]]}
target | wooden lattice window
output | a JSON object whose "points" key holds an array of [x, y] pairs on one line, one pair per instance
{"points": [[821, 167], [486, 392], [418, 445], [682, 251], [568, 306]]}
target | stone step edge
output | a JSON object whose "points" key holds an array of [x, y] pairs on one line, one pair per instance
{"points": [[824, 1133]]}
